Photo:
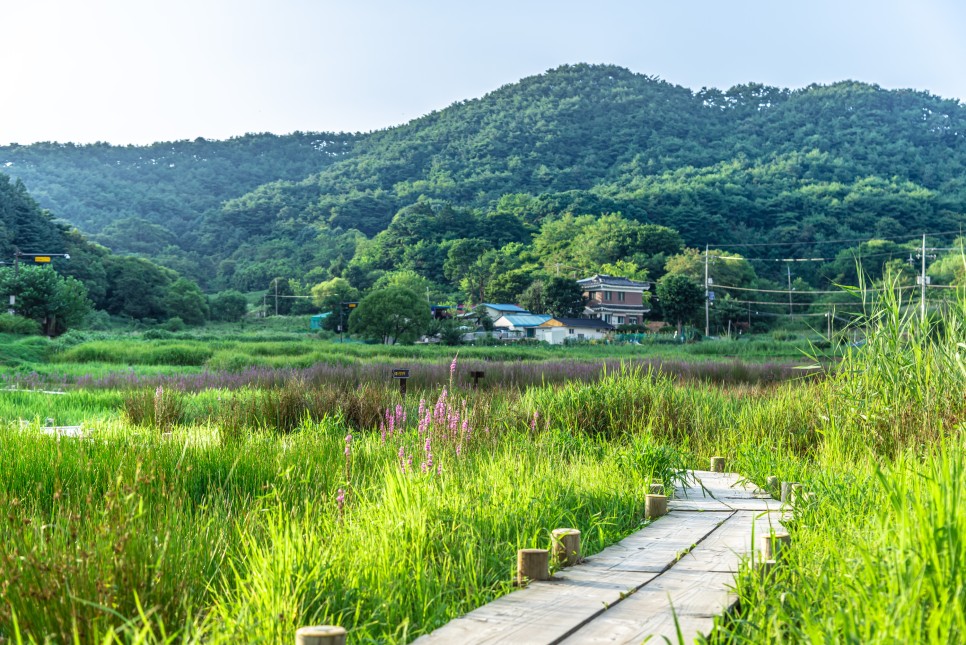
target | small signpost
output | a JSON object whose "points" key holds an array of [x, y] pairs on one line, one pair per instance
{"points": [[477, 375], [401, 375]]}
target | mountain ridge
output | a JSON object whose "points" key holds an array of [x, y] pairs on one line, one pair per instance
{"points": [[807, 164]]}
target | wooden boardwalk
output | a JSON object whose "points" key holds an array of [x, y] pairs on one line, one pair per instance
{"points": [[686, 560]]}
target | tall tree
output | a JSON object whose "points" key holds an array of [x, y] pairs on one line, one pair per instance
{"points": [[563, 298], [184, 300], [391, 315], [680, 298], [55, 302]]}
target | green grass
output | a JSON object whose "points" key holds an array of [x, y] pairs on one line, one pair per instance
{"points": [[244, 539], [215, 516]]}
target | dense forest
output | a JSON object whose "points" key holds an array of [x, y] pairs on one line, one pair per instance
{"points": [[584, 168]]}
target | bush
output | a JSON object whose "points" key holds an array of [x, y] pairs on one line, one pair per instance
{"points": [[12, 324], [157, 334], [174, 324]]}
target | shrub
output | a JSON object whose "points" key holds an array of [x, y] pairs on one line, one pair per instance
{"points": [[12, 324], [157, 334], [174, 324]]}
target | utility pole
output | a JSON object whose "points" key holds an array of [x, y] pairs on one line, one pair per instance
{"points": [[341, 324], [276, 295], [789, 267], [922, 281], [707, 296]]}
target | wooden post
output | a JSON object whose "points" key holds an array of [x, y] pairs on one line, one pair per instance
{"points": [[566, 546], [655, 506], [773, 484], [532, 564], [775, 545], [718, 464], [787, 492], [656, 489], [320, 635]]}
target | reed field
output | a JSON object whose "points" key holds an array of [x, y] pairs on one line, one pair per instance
{"points": [[237, 503]]}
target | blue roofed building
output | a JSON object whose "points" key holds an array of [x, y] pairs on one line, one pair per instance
{"points": [[520, 325], [495, 311]]}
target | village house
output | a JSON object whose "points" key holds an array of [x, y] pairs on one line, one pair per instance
{"points": [[558, 331], [495, 311], [516, 326], [615, 300]]}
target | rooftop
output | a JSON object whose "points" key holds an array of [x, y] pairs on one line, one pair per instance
{"points": [[601, 280], [525, 320], [507, 308], [584, 323]]}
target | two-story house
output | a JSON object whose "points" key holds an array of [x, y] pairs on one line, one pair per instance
{"points": [[615, 300]]}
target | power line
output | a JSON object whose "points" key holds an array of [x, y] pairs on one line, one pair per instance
{"points": [[797, 304], [895, 239], [784, 291]]}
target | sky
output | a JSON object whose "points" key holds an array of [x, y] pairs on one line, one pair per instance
{"points": [[141, 71]]}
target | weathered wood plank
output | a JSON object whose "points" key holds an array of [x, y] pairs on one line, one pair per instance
{"points": [[660, 544], [698, 505], [697, 597], [544, 612], [723, 550], [685, 560]]}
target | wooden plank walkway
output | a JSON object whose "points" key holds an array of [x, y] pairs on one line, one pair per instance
{"points": [[686, 560]]}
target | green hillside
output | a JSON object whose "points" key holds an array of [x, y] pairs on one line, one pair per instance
{"points": [[721, 167], [151, 199]]}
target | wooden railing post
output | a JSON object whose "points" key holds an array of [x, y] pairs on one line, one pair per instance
{"points": [[655, 506], [566, 546], [532, 564], [320, 635]]}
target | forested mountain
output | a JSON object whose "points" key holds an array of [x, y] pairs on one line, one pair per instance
{"points": [[151, 199], [121, 285], [801, 168]]}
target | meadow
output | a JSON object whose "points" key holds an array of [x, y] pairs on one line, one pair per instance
{"points": [[204, 505]]}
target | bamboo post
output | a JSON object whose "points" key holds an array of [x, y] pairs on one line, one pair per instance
{"points": [[532, 564], [717, 464], [655, 506], [566, 546], [320, 635], [775, 545], [656, 489], [787, 492]]}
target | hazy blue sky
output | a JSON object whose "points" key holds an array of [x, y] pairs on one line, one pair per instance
{"points": [[137, 71]]}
